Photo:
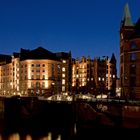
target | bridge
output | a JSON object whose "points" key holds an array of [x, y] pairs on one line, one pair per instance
{"points": [[88, 98], [80, 108]]}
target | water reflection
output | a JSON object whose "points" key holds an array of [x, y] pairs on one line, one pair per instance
{"points": [[52, 121], [16, 136]]}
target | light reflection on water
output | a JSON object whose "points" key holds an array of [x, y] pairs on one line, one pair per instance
{"points": [[16, 136]]}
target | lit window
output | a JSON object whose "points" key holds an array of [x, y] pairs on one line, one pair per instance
{"points": [[113, 76], [63, 88], [103, 79], [99, 78], [106, 75], [77, 76], [64, 61], [63, 69], [63, 75], [63, 81], [91, 79]]}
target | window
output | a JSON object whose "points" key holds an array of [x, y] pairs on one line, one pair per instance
{"points": [[63, 88], [132, 69], [132, 81], [63, 81], [32, 65], [133, 56], [37, 65], [43, 65], [59, 70], [32, 84], [37, 76], [64, 61], [38, 70], [43, 77], [32, 77], [37, 84], [43, 70], [43, 84], [63, 75], [106, 75], [63, 69], [133, 45]]}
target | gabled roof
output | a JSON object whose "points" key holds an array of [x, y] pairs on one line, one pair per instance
{"points": [[38, 53]]}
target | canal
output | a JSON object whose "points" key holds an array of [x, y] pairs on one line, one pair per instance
{"points": [[31, 119]]}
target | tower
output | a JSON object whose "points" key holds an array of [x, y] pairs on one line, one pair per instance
{"points": [[129, 56]]}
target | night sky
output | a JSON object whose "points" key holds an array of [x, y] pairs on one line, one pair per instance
{"points": [[84, 27]]}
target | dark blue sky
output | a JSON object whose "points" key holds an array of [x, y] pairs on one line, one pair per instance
{"points": [[84, 27]]}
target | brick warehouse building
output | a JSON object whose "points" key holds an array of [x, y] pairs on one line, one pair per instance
{"points": [[95, 76], [130, 56]]}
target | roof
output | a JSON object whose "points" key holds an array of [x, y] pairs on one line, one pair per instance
{"points": [[5, 58], [38, 53], [63, 55], [127, 21], [113, 59]]}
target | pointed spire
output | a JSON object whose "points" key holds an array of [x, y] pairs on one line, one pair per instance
{"points": [[113, 59], [127, 16]]}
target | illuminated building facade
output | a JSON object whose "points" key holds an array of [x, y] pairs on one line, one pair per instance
{"points": [[105, 74], [39, 72], [66, 64], [94, 76], [129, 56], [82, 75], [34, 72]]}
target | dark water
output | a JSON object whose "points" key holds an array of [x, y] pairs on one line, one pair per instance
{"points": [[79, 132], [22, 120]]}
